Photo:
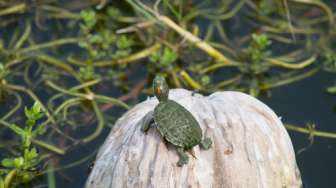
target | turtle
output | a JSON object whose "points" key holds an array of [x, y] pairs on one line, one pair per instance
{"points": [[174, 122]]}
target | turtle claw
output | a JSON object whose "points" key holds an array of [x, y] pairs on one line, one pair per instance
{"points": [[183, 157], [206, 143], [181, 162]]}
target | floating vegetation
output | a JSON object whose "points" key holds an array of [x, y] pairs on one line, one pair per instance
{"points": [[83, 63]]}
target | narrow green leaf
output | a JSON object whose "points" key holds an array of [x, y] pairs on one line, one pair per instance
{"points": [[36, 108], [32, 154], [331, 89], [28, 113], [8, 163], [17, 129], [2, 183]]}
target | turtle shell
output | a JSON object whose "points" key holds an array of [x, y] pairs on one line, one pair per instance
{"points": [[177, 125]]}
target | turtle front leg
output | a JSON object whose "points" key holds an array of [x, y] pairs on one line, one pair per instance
{"points": [[147, 121], [206, 143], [183, 157]]}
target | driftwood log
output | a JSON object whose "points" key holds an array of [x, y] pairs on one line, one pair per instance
{"points": [[251, 148]]}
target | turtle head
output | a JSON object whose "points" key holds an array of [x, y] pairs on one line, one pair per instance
{"points": [[160, 88]]}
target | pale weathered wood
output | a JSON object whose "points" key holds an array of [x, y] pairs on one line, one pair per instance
{"points": [[251, 148]]}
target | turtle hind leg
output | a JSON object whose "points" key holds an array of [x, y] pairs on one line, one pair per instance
{"points": [[147, 121], [206, 143], [183, 157]]}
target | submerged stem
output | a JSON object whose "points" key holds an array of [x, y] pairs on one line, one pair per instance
{"points": [[311, 131]]}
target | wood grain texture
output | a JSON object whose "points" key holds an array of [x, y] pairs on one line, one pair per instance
{"points": [[251, 148]]}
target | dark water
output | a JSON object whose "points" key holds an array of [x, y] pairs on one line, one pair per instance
{"points": [[302, 102]]}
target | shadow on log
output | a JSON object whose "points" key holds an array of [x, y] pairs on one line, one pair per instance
{"points": [[251, 148]]}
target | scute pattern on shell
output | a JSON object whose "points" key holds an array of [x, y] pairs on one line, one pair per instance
{"points": [[177, 125]]}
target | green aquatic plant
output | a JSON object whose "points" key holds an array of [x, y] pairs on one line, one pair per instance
{"points": [[164, 57], [87, 73], [254, 66], [24, 168], [100, 41], [254, 61], [259, 48], [113, 12], [256, 54], [329, 63], [266, 7], [123, 47], [89, 19], [331, 89], [3, 72]]}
